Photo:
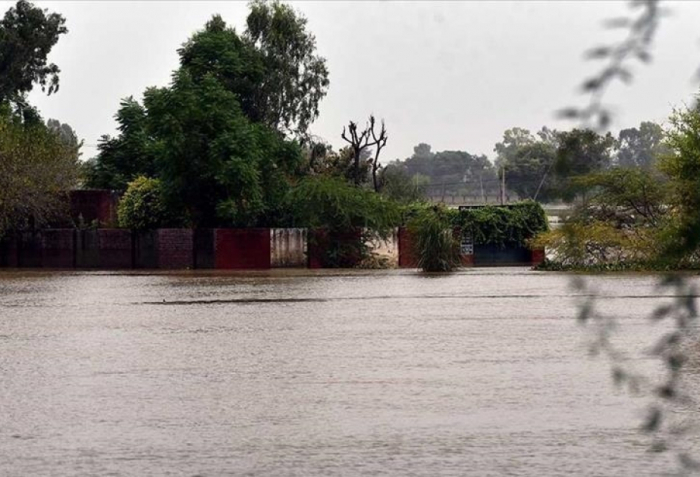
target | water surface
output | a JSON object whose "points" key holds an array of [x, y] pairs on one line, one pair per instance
{"points": [[302, 373]]}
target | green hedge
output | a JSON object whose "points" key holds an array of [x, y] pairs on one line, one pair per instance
{"points": [[505, 226]]}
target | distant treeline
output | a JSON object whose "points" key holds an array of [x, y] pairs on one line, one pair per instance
{"points": [[537, 166]]}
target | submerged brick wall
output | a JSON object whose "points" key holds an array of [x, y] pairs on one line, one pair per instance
{"points": [[87, 249], [537, 256], [242, 248], [145, 249], [204, 248], [29, 249], [58, 248], [175, 249], [8, 252], [115, 248]]}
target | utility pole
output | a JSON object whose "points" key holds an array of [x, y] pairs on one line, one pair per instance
{"points": [[503, 185]]}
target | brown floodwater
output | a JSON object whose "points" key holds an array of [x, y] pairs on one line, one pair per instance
{"points": [[330, 373]]}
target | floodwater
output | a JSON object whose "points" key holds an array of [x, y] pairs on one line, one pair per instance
{"points": [[301, 373]]}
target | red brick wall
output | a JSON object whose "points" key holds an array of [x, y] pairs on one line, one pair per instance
{"points": [[467, 260], [175, 248], [317, 242], [407, 258], [29, 249], [242, 248], [204, 248], [94, 205], [87, 249], [58, 248], [115, 248]]}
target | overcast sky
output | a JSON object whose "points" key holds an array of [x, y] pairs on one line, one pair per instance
{"points": [[453, 74]]}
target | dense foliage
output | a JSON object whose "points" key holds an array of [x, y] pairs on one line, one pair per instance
{"points": [[142, 206], [438, 229], [209, 136], [27, 35], [509, 226], [38, 161], [37, 168], [349, 217], [639, 215]]}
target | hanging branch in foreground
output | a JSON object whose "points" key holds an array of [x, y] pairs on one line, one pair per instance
{"points": [[665, 422], [635, 47]]}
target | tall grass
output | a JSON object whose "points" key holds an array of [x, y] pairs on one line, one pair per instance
{"points": [[434, 241]]}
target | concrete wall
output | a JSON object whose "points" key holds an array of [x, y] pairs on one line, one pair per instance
{"points": [[8, 252], [344, 244], [29, 249], [288, 248]]}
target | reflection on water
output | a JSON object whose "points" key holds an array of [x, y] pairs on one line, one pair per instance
{"points": [[300, 373]]}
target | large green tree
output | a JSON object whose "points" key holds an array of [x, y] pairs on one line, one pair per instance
{"points": [[216, 137], [640, 147], [123, 158], [580, 152], [216, 166], [27, 35], [273, 67], [528, 161], [295, 77], [37, 168]]}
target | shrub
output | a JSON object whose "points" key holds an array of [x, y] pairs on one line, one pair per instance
{"points": [[142, 206]]}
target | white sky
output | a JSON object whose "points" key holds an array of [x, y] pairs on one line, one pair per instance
{"points": [[452, 74]]}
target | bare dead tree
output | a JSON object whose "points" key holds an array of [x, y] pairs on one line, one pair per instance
{"points": [[358, 142], [361, 140], [380, 142]]}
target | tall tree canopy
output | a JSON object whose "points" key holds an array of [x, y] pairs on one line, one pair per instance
{"points": [[640, 147], [528, 162], [207, 136], [37, 168], [296, 78], [581, 152], [273, 67], [27, 35]]}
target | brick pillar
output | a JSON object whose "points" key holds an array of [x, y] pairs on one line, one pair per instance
{"points": [[537, 256], [407, 258]]}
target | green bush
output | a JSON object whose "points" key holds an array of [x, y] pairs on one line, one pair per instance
{"points": [[142, 206], [349, 215]]}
